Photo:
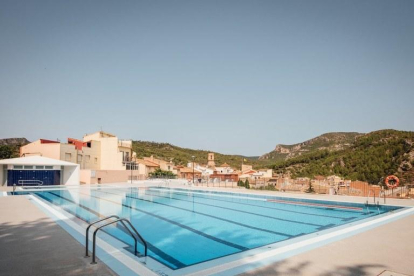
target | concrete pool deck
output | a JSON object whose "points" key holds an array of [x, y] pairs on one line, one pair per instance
{"points": [[386, 247], [31, 243]]}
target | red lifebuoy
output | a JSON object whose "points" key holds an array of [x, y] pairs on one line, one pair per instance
{"points": [[394, 179]]}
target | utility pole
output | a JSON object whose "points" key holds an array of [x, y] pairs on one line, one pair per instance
{"points": [[193, 168]]}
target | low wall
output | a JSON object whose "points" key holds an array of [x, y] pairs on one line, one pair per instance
{"points": [[113, 176]]}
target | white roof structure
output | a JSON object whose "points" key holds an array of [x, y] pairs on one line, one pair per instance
{"points": [[36, 160]]}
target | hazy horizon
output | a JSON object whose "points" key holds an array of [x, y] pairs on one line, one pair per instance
{"points": [[235, 77]]}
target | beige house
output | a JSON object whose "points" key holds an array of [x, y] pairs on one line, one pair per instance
{"points": [[163, 165], [102, 157], [145, 167]]}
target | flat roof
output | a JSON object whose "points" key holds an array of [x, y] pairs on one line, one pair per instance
{"points": [[36, 160]]}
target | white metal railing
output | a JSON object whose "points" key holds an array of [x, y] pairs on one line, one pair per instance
{"points": [[30, 181]]}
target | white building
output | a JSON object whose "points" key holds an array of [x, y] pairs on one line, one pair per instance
{"points": [[38, 170]]}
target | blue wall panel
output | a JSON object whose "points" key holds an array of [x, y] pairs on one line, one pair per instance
{"points": [[48, 177]]}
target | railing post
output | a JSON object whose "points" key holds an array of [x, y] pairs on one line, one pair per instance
{"points": [[94, 247], [87, 232]]}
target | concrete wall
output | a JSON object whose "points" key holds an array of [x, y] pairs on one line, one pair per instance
{"points": [[51, 150], [85, 176], [70, 175], [113, 176], [87, 158]]}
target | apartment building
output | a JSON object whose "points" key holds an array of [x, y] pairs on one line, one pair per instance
{"points": [[102, 157]]}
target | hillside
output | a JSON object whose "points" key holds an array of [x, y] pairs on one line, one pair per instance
{"points": [[9, 148], [333, 141], [14, 142], [180, 156], [371, 157]]}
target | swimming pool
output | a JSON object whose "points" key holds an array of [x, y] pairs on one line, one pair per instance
{"points": [[186, 227]]}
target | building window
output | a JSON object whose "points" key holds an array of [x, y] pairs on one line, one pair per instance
{"points": [[80, 158], [40, 167], [49, 167], [17, 167], [28, 167], [68, 156], [87, 158], [96, 160]]}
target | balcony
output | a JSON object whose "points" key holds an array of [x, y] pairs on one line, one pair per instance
{"points": [[125, 143]]}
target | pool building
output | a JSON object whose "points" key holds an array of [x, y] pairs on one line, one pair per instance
{"points": [[38, 171]]}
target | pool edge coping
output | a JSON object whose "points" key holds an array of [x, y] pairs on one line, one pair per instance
{"points": [[236, 263]]}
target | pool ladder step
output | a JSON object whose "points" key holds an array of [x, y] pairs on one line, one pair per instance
{"points": [[116, 219]]}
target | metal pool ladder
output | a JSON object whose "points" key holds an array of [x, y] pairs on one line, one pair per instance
{"points": [[375, 203], [124, 222]]}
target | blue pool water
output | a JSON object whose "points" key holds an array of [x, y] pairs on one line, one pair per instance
{"points": [[185, 227]]}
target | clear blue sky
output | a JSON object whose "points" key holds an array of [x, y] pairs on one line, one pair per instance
{"points": [[229, 76]]}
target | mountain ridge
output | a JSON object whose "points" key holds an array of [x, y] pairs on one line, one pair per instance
{"points": [[371, 157], [331, 141]]}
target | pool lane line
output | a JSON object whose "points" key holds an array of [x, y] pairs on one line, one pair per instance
{"points": [[151, 246], [249, 204], [211, 216], [241, 211], [287, 199], [236, 246], [315, 204]]}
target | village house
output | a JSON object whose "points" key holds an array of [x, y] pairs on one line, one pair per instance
{"points": [[102, 157]]}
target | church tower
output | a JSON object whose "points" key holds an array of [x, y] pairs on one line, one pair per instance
{"points": [[210, 162]]}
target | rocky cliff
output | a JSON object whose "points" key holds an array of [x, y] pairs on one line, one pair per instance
{"points": [[333, 141]]}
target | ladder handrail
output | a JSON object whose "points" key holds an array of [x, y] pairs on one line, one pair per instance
{"points": [[383, 193], [87, 232], [115, 221], [136, 233], [369, 193]]}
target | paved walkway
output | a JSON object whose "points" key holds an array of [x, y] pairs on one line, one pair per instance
{"points": [[387, 247], [33, 244]]}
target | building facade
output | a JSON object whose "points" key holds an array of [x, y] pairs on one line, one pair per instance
{"points": [[102, 157]]}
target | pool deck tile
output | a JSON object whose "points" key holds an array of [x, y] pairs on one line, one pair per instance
{"points": [[387, 247], [31, 243]]}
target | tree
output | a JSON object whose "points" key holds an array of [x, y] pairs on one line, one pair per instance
{"points": [[240, 183], [310, 188], [158, 173], [246, 184], [6, 152]]}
